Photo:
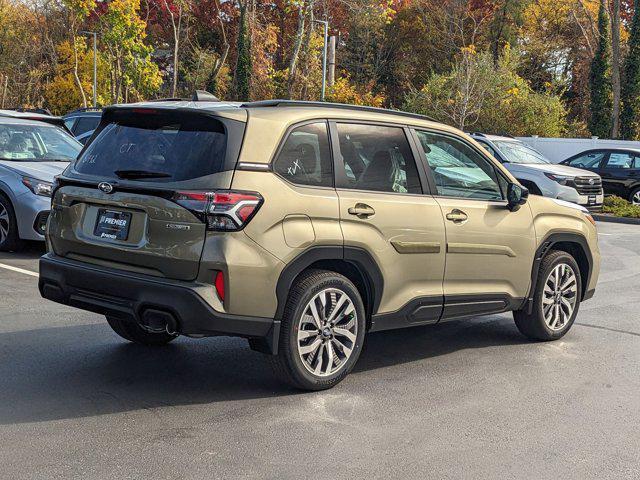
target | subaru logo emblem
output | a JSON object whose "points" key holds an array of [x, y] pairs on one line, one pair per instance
{"points": [[105, 187], [592, 181]]}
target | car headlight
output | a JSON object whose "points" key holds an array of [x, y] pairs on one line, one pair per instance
{"points": [[561, 179], [38, 187]]}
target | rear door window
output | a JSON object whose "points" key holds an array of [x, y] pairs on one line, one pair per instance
{"points": [[377, 158], [167, 147], [620, 160]]}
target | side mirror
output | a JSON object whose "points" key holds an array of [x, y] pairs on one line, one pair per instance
{"points": [[516, 195]]}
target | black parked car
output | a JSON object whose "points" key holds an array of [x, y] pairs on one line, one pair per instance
{"points": [[618, 167], [82, 122]]}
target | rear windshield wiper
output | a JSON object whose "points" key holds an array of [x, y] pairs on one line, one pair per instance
{"points": [[133, 174]]}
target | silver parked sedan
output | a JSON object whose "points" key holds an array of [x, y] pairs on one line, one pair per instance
{"points": [[32, 153]]}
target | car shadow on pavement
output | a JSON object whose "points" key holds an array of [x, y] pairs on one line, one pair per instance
{"points": [[85, 370], [31, 251]]}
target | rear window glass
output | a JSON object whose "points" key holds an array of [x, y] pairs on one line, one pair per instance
{"points": [[85, 124], [170, 148]]}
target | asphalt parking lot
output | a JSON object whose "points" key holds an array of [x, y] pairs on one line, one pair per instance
{"points": [[470, 399]]}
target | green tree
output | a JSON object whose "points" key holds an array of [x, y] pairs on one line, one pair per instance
{"points": [[78, 10], [630, 117], [243, 63], [478, 94], [61, 94], [600, 79], [134, 75], [505, 25]]}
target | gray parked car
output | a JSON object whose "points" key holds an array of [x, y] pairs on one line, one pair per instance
{"points": [[32, 153], [540, 176]]}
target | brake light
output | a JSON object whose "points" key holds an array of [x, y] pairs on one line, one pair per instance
{"points": [[219, 284], [222, 210], [145, 111]]}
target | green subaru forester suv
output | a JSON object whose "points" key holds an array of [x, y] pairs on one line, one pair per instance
{"points": [[302, 227]]}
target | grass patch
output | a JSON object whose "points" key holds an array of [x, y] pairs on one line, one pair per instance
{"points": [[620, 207]]}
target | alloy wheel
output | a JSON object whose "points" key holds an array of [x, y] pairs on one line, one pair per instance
{"points": [[327, 332], [559, 296], [4, 223], [636, 198]]}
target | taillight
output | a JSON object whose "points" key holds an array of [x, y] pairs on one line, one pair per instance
{"points": [[224, 210], [219, 284]]}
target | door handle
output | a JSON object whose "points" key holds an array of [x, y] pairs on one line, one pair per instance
{"points": [[361, 210], [457, 216]]}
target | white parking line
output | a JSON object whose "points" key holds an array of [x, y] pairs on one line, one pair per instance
{"points": [[19, 270]]}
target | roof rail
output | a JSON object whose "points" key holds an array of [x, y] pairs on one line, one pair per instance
{"points": [[478, 134], [342, 106], [168, 99], [41, 111], [85, 109], [198, 96]]}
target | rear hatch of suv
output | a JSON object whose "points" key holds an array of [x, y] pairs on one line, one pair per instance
{"points": [[137, 197]]}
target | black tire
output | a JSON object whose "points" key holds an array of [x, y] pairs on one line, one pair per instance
{"points": [[9, 242], [287, 364], [133, 332], [533, 325], [633, 194]]}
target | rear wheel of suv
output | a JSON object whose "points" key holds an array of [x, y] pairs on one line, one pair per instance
{"points": [[133, 332], [322, 331], [555, 301], [9, 239], [634, 197]]}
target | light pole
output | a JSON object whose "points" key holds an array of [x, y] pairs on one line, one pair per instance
{"points": [[324, 56], [95, 66]]}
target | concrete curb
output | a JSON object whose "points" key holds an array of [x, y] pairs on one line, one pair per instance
{"points": [[611, 219]]}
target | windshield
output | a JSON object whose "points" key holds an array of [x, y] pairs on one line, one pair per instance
{"points": [[157, 148], [520, 153], [36, 143]]}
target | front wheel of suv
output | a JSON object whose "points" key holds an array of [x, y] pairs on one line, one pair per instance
{"points": [[133, 332], [322, 331], [555, 301]]}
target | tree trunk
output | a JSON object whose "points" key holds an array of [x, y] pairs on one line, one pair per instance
{"points": [[176, 43], [615, 69], [307, 48], [293, 63], [225, 44], [176, 49], [331, 54], [76, 76]]}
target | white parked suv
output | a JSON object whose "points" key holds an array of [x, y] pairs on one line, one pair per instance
{"points": [[541, 176]]}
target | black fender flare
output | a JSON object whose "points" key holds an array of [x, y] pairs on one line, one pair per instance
{"points": [[358, 257], [546, 245]]}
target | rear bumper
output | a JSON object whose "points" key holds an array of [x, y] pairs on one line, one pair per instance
{"points": [[128, 296]]}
